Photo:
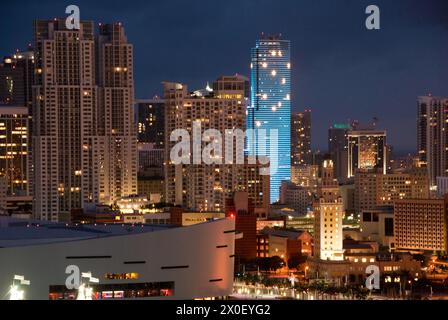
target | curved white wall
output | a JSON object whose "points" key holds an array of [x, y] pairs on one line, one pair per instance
{"points": [[195, 247]]}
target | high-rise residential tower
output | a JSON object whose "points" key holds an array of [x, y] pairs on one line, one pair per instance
{"points": [[301, 138], [16, 81], [115, 59], [84, 139], [432, 136], [270, 107]]}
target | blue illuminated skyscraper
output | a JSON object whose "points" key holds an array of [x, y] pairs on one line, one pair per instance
{"points": [[270, 106]]}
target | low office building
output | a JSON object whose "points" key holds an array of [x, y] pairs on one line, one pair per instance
{"points": [[151, 187], [287, 244], [389, 264], [270, 223], [352, 270], [301, 222], [141, 262], [374, 189], [378, 225], [299, 198], [133, 204]]}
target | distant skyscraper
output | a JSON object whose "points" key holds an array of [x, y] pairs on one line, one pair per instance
{"points": [[328, 216], [432, 139], [16, 82], [366, 150], [84, 143], [151, 122], [270, 104], [14, 149], [301, 138], [227, 85], [16, 79], [338, 149], [115, 58]]}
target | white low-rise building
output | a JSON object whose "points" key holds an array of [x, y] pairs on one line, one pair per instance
{"points": [[140, 261]]}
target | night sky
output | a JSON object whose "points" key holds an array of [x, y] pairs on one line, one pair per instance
{"points": [[340, 69]]}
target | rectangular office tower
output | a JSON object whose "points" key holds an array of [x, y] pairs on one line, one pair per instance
{"points": [[14, 149], [432, 140], [151, 121], [16, 79], [338, 149], [270, 107], [301, 138], [84, 140], [366, 150]]}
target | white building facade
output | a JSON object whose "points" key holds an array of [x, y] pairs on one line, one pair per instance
{"points": [[140, 262]]}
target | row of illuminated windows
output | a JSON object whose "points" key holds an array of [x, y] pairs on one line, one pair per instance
{"points": [[116, 291]]}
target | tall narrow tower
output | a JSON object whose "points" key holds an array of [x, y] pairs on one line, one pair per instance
{"points": [[84, 144], [432, 138], [301, 138], [271, 105], [328, 215], [118, 173]]}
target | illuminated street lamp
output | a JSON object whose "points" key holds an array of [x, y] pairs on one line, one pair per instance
{"points": [[16, 292], [292, 280], [85, 292]]}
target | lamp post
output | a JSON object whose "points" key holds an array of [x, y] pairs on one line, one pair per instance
{"points": [[85, 292], [398, 280], [431, 292], [16, 292]]}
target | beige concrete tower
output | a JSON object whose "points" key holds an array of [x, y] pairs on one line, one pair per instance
{"points": [[328, 238], [118, 170], [83, 130]]}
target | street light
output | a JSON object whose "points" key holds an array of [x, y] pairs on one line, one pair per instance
{"points": [[86, 292], [398, 280], [16, 292]]}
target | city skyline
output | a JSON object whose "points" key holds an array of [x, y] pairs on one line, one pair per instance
{"points": [[150, 151], [370, 64]]}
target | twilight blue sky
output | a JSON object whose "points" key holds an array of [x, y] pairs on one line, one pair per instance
{"points": [[340, 70]]}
